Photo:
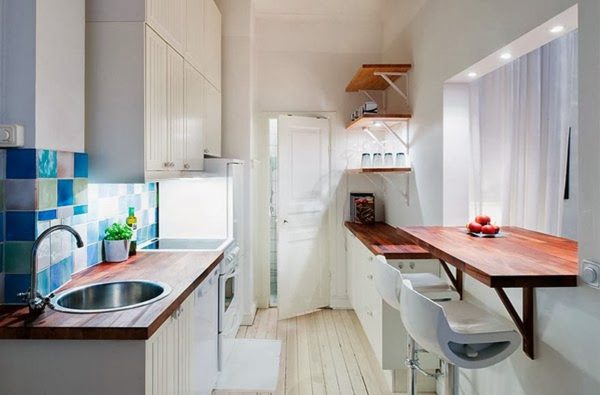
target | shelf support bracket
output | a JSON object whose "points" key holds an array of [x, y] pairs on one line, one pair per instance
{"points": [[386, 77], [368, 95], [393, 132], [457, 281], [525, 324], [406, 193]]}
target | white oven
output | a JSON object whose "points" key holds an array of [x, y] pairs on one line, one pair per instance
{"points": [[230, 314]]}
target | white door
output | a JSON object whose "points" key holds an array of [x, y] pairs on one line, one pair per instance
{"points": [[303, 197]]}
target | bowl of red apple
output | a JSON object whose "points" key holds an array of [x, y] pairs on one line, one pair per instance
{"points": [[482, 227]]}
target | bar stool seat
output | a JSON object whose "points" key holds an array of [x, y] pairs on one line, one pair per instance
{"points": [[459, 332], [388, 281]]}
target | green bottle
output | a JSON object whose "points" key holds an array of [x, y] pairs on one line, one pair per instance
{"points": [[131, 221]]}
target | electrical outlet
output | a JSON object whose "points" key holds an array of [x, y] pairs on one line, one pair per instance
{"points": [[12, 136], [590, 274]]}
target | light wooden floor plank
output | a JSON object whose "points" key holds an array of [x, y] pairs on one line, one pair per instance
{"points": [[304, 379], [331, 382], [291, 358], [341, 371], [316, 363]]}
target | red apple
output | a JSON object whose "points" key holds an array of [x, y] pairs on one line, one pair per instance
{"points": [[488, 229], [483, 219], [475, 227], [496, 229]]}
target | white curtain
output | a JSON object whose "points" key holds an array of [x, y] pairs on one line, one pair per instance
{"points": [[521, 115]]}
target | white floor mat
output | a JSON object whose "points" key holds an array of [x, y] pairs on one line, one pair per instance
{"points": [[252, 366]]}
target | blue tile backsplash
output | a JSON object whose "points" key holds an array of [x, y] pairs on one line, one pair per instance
{"points": [[42, 188]]}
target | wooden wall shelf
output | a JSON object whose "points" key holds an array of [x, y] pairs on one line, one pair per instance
{"points": [[367, 170], [367, 120], [366, 78]]}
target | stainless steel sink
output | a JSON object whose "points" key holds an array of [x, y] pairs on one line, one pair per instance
{"points": [[110, 296]]}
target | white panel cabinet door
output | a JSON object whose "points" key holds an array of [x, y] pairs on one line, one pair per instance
{"points": [[169, 354], [168, 18], [156, 138], [212, 44], [194, 40], [212, 116], [175, 109], [194, 119], [205, 342]]}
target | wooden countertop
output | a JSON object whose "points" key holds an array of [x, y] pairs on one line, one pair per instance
{"points": [[383, 239], [523, 258], [183, 271]]}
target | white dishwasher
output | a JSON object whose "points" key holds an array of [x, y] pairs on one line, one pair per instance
{"points": [[205, 353]]}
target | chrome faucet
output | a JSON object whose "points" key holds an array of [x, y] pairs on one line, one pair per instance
{"points": [[36, 302]]}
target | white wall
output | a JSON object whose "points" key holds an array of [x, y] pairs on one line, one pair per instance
{"points": [[444, 39], [306, 52], [42, 71]]}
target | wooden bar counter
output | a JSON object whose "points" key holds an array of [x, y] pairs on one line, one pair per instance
{"points": [[521, 259]]}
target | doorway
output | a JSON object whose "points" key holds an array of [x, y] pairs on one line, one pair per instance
{"points": [[299, 196]]}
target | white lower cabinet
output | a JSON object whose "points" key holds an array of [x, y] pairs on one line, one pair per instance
{"points": [[381, 323], [182, 356]]}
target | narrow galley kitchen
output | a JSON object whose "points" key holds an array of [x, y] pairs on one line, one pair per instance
{"points": [[299, 197]]}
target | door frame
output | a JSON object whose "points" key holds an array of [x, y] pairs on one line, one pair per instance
{"points": [[261, 190]]}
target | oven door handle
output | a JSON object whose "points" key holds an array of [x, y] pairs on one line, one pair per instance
{"points": [[229, 274]]}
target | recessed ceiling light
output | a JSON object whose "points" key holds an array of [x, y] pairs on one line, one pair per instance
{"points": [[557, 29], [472, 74], [506, 56], [378, 124]]}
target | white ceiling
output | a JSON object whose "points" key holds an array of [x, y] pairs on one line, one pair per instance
{"points": [[320, 7], [393, 14]]}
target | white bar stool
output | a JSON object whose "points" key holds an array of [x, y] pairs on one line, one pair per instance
{"points": [[388, 281], [460, 333]]}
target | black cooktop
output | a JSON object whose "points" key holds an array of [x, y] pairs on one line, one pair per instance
{"points": [[185, 244]]}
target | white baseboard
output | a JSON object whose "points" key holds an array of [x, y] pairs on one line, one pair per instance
{"points": [[248, 318], [340, 302]]}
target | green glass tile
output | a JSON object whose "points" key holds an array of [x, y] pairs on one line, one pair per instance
{"points": [[17, 257], [80, 186], [47, 197]]}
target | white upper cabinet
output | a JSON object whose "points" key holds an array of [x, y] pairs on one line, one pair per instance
{"points": [[153, 83], [212, 116], [212, 44], [194, 39], [194, 119], [168, 18]]}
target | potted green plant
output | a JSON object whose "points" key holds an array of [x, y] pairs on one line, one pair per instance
{"points": [[116, 242]]}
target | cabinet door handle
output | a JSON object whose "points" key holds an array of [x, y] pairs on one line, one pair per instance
{"points": [[186, 166], [369, 313], [370, 276], [206, 150], [166, 164]]}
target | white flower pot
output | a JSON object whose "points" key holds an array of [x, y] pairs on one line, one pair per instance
{"points": [[116, 250]]}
